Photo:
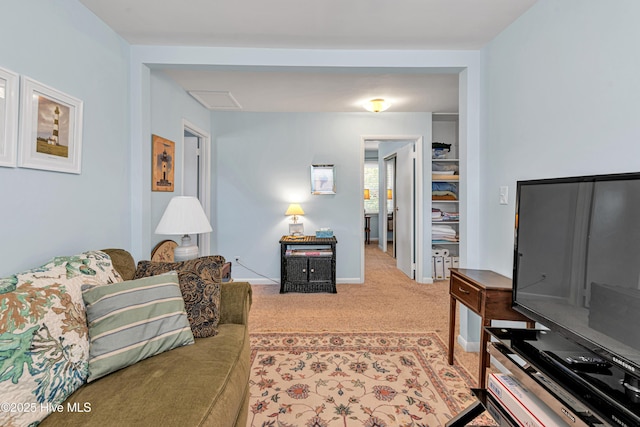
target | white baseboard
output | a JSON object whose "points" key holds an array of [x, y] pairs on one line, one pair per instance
{"points": [[255, 281], [349, 281], [469, 346], [262, 281]]}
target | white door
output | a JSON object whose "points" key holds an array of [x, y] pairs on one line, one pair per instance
{"points": [[191, 166], [191, 170], [404, 199], [196, 174]]}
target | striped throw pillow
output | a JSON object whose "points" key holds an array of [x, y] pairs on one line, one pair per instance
{"points": [[133, 320]]}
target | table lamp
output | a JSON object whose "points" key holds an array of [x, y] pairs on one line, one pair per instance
{"points": [[184, 216], [295, 228]]}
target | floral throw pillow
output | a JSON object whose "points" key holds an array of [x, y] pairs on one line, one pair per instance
{"points": [[44, 354]]}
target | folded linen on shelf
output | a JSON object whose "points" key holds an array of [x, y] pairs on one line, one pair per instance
{"points": [[443, 229], [450, 216], [443, 233], [444, 186], [444, 191], [443, 177], [443, 195], [440, 215], [442, 166]]}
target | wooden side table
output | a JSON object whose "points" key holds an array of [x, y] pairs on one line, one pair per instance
{"points": [[225, 272], [487, 294]]}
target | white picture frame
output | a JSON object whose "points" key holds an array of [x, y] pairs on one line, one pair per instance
{"points": [[323, 179], [9, 101], [50, 128]]}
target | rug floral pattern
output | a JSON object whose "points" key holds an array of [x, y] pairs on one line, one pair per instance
{"points": [[361, 379]]}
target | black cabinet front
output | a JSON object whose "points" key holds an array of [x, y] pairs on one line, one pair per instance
{"points": [[308, 270]]}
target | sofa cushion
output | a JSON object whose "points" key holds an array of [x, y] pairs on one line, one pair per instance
{"points": [[133, 320], [204, 384], [123, 262], [43, 331], [200, 287]]}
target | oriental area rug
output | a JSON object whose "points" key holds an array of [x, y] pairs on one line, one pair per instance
{"points": [[355, 379]]}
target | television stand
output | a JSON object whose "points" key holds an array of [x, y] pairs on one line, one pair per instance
{"points": [[592, 397]]}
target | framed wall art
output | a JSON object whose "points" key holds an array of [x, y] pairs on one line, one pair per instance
{"points": [[50, 128], [9, 89], [323, 179], [164, 154]]}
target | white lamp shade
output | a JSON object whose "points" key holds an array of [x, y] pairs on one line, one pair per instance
{"points": [[184, 215]]}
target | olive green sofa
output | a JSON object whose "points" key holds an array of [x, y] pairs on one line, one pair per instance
{"points": [[203, 384]]}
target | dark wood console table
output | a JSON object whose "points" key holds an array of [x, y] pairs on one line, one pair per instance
{"points": [[487, 294]]}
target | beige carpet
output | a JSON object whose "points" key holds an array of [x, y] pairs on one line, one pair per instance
{"points": [[387, 301]]}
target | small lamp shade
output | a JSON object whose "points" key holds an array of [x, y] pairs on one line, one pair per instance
{"points": [[294, 209], [389, 194], [184, 215], [367, 194]]}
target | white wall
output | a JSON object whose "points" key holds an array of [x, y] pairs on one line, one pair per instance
{"points": [[170, 104], [145, 58], [44, 214], [561, 90], [262, 164]]}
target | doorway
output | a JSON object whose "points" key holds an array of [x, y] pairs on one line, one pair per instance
{"points": [[196, 175], [400, 207]]}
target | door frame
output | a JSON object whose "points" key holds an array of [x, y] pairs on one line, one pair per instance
{"points": [[204, 179], [384, 211], [418, 230]]}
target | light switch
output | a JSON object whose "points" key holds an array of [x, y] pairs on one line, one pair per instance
{"points": [[504, 195]]}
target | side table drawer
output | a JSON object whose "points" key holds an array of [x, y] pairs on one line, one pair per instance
{"points": [[467, 293]]}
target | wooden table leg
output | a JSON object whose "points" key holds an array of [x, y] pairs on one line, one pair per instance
{"points": [[484, 356], [452, 328]]}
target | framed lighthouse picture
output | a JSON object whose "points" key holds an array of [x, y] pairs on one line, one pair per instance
{"points": [[50, 128], [162, 168]]}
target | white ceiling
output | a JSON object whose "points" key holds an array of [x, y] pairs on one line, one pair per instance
{"points": [[314, 24]]}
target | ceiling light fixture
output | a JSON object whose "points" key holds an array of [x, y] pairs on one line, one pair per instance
{"points": [[377, 105]]}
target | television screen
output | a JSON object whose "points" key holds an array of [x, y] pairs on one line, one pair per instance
{"points": [[577, 261]]}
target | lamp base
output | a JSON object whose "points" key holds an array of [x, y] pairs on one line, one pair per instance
{"points": [[186, 250], [296, 229]]}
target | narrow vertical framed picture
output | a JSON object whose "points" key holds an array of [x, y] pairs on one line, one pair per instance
{"points": [[163, 167], [323, 179], [50, 129], [9, 90]]}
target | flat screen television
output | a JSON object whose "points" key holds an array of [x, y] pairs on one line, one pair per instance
{"points": [[577, 262]]}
